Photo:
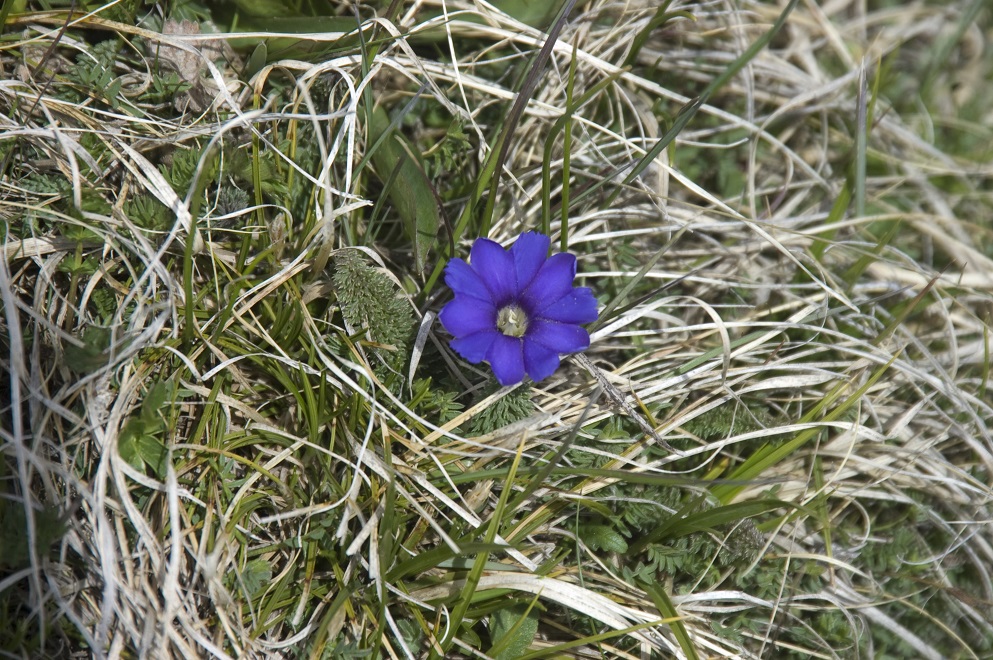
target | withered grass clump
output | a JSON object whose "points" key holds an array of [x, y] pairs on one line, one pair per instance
{"points": [[230, 424]]}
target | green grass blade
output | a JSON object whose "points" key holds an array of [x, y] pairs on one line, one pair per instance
{"points": [[668, 610], [769, 455], [410, 191], [472, 580], [689, 111], [524, 96]]}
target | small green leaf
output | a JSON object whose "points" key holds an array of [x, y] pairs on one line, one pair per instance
{"points": [[257, 60], [469, 636], [604, 537], [113, 91], [127, 442], [155, 454], [92, 354], [76, 264], [398, 166], [154, 401], [78, 233], [139, 446], [256, 576], [48, 527], [512, 630]]}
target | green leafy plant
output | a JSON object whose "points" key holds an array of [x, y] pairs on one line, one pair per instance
{"points": [[143, 442], [94, 74], [375, 308]]}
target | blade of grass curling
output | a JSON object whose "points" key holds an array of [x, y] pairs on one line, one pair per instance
{"points": [[688, 111], [472, 580], [567, 153], [768, 455], [666, 608], [517, 110]]}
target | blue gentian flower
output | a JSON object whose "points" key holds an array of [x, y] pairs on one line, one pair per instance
{"points": [[517, 309]]}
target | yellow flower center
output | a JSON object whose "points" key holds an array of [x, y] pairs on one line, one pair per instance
{"points": [[512, 321]]}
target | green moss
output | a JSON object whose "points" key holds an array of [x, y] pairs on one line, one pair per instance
{"points": [[373, 305]]}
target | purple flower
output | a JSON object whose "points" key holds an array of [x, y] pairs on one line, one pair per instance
{"points": [[517, 309]]}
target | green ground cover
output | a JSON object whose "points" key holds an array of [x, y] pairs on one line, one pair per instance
{"points": [[231, 424]]}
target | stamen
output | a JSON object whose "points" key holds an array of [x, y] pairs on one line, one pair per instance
{"points": [[512, 321]]}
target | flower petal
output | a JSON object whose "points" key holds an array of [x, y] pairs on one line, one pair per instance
{"points": [[539, 362], [461, 278], [529, 252], [495, 268], [577, 306], [507, 359], [467, 315], [474, 347], [552, 282], [560, 337]]}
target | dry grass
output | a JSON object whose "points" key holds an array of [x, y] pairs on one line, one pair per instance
{"points": [[207, 453]]}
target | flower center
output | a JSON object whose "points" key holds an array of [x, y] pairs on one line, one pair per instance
{"points": [[512, 321]]}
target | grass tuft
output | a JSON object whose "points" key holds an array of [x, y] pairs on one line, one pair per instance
{"points": [[230, 424]]}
